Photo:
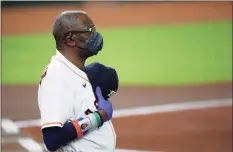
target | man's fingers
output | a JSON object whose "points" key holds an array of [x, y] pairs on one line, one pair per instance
{"points": [[99, 92]]}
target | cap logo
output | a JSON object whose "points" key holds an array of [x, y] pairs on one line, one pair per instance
{"points": [[111, 93]]}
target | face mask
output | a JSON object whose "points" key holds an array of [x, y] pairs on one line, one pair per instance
{"points": [[94, 44]]}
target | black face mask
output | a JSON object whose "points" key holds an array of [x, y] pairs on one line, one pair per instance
{"points": [[94, 44]]}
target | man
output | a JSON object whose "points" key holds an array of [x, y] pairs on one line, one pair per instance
{"points": [[71, 119]]}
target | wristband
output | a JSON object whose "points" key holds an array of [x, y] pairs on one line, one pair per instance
{"points": [[77, 128], [98, 119], [85, 124], [102, 121]]}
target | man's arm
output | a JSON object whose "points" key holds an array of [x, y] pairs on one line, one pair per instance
{"points": [[55, 137]]}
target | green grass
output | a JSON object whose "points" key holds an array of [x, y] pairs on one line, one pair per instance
{"points": [[148, 55]]}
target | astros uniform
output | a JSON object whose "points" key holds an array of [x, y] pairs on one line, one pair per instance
{"points": [[65, 94]]}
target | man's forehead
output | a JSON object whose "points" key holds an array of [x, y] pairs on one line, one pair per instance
{"points": [[84, 20]]}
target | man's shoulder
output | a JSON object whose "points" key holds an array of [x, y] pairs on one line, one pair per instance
{"points": [[55, 66], [57, 70]]}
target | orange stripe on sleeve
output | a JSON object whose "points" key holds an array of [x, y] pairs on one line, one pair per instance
{"points": [[77, 128], [52, 123]]}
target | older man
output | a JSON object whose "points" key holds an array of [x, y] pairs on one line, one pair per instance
{"points": [[72, 120]]}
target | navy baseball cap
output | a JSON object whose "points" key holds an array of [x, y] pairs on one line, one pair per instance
{"points": [[103, 76]]}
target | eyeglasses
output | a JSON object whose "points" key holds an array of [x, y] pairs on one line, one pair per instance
{"points": [[89, 29]]}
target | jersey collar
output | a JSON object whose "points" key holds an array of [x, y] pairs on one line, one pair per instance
{"points": [[70, 65]]}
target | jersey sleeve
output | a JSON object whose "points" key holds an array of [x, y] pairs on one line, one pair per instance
{"points": [[54, 98]]}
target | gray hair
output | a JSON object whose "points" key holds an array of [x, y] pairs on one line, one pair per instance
{"points": [[63, 23]]}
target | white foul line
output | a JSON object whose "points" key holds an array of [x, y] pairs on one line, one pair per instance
{"points": [[28, 143], [172, 107], [9, 126], [150, 110]]}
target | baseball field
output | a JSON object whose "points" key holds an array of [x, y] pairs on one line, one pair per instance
{"points": [[174, 61]]}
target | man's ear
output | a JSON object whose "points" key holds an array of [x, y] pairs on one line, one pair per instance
{"points": [[70, 39]]}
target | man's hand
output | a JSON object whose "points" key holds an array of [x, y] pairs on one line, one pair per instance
{"points": [[104, 106]]}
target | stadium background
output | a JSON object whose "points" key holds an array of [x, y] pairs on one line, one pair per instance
{"points": [[168, 55]]}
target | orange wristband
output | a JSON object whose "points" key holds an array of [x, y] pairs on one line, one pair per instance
{"points": [[77, 128]]}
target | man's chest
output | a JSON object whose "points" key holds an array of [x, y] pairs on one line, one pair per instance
{"points": [[84, 101]]}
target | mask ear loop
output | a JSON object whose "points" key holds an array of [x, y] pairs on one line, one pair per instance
{"points": [[72, 37]]}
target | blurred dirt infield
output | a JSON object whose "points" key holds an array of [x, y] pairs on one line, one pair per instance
{"points": [[115, 14], [203, 130]]}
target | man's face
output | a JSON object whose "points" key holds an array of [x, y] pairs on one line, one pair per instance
{"points": [[84, 37], [83, 31]]}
